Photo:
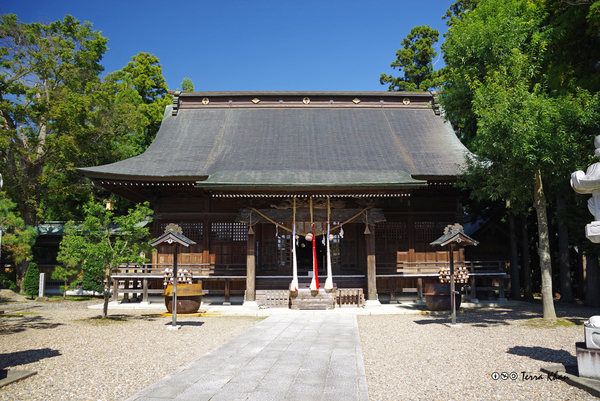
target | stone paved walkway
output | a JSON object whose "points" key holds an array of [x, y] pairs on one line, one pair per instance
{"points": [[284, 357]]}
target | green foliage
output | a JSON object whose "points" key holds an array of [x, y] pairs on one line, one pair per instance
{"points": [[31, 282], [92, 281], [63, 274], [15, 238], [56, 114], [415, 60], [187, 85], [144, 75], [8, 281], [103, 241], [507, 102]]}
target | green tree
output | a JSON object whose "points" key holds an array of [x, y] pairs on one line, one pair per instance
{"points": [[527, 138], [146, 79], [187, 85], [103, 241], [31, 283], [55, 114], [16, 239], [63, 274], [415, 60]]}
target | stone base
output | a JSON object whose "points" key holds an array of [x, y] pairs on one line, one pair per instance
{"points": [[588, 361], [175, 328], [372, 303], [306, 299], [250, 304]]}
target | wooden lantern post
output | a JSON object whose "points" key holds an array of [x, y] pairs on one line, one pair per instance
{"points": [[173, 235], [453, 238]]}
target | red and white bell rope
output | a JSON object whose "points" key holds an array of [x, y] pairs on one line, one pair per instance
{"points": [[294, 283], [329, 281]]}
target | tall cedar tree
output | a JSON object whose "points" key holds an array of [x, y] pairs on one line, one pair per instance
{"points": [[415, 60]]}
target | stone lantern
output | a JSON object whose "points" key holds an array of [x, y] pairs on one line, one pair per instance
{"points": [[589, 183]]}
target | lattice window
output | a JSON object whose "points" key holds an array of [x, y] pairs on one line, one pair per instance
{"points": [[191, 229], [229, 232], [429, 230], [284, 249], [391, 231]]}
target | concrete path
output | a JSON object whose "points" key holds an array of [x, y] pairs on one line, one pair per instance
{"points": [[284, 357]]}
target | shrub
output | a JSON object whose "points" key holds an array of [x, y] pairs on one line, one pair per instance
{"points": [[92, 281], [31, 282]]}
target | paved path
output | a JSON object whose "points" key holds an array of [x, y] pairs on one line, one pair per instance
{"points": [[284, 357]]}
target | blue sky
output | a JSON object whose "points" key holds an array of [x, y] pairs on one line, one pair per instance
{"points": [[251, 45]]}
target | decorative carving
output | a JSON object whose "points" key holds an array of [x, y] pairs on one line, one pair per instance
{"points": [[205, 101], [356, 100], [304, 203], [454, 227], [306, 100], [406, 101], [368, 202], [256, 100], [372, 216], [255, 203], [174, 227]]}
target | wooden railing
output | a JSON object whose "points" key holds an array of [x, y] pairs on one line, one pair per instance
{"points": [[414, 269], [200, 270]]}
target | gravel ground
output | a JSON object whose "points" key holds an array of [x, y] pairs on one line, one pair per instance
{"points": [[417, 357], [78, 356], [408, 357]]}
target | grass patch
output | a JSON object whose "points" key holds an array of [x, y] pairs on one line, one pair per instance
{"points": [[540, 323], [18, 314], [59, 298]]}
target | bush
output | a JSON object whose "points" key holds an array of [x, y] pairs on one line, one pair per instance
{"points": [[31, 282], [92, 281], [7, 280]]}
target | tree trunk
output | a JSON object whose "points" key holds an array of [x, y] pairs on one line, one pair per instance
{"points": [[566, 290], [592, 280], [525, 263], [581, 274], [107, 280], [515, 282], [544, 247]]}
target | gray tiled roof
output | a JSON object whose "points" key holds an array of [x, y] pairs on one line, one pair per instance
{"points": [[295, 146]]}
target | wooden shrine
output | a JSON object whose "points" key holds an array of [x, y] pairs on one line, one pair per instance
{"points": [[239, 171]]}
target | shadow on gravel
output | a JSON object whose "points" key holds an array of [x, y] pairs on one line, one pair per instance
{"points": [[481, 317], [197, 324], [545, 354], [11, 324], [25, 357]]}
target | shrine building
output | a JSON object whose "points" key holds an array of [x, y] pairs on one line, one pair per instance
{"points": [[236, 170]]}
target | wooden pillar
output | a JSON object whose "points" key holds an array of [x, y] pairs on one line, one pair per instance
{"points": [[473, 288], [420, 290], [371, 266], [145, 290], [115, 290], [251, 269]]}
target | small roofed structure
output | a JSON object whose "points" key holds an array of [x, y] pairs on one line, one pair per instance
{"points": [[453, 237]]}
